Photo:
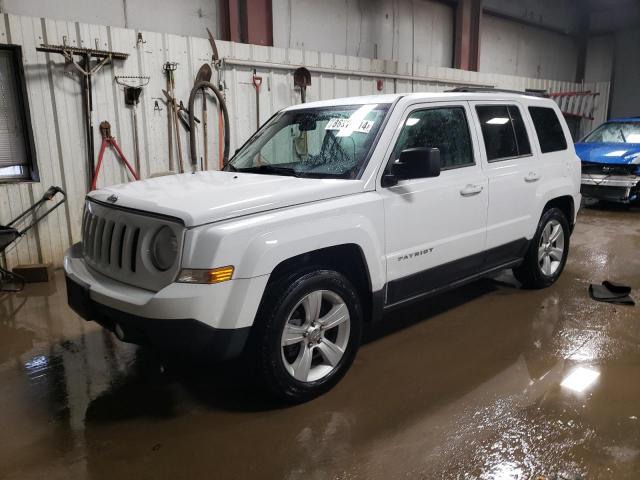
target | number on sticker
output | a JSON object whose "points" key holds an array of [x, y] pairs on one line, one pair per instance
{"points": [[364, 127], [337, 124], [345, 124]]}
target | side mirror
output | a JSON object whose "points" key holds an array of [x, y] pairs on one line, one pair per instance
{"points": [[417, 163]]}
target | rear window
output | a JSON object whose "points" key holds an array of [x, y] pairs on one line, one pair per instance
{"points": [[549, 129], [503, 131]]}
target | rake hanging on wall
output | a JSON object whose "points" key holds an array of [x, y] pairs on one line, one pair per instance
{"points": [[86, 70], [133, 85]]}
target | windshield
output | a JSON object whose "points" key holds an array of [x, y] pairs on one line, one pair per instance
{"points": [[328, 142], [615, 132]]}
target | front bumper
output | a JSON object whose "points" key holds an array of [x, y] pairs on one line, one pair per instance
{"points": [[184, 336], [614, 188], [181, 317]]}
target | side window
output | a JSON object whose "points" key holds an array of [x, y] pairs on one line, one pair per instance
{"points": [[520, 130], [445, 128], [503, 131], [548, 128], [17, 152]]}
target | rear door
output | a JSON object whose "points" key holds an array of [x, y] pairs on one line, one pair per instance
{"points": [[513, 172], [435, 227]]}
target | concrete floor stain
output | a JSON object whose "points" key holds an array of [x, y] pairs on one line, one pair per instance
{"points": [[466, 385]]}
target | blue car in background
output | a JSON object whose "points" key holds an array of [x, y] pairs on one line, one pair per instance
{"points": [[611, 161]]}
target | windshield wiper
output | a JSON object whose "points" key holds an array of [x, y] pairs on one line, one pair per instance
{"points": [[624, 139], [270, 169]]}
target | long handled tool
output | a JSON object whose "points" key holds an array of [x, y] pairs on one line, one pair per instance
{"points": [[257, 83], [205, 131], [133, 85], [204, 75], [170, 68], [84, 68], [107, 139], [218, 64], [183, 112]]}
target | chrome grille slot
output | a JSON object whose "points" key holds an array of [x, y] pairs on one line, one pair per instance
{"points": [[92, 237], [116, 242], [116, 245], [127, 249], [86, 220], [106, 242], [97, 239], [134, 249], [121, 238]]}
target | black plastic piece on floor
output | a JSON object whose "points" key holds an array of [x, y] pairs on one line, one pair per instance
{"points": [[611, 292]]}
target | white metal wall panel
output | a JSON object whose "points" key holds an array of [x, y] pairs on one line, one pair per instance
{"points": [[185, 17], [513, 48], [600, 56], [56, 106], [404, 30], [432, 45], [626, 101]]}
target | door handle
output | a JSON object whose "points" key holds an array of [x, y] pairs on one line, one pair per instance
{"points": [[471, 190], [532, 177]]}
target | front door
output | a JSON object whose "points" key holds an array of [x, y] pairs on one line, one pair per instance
{"points": [[435, 227]]}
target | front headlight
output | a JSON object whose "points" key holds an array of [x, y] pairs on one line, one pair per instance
{"points": [[164, 249]]}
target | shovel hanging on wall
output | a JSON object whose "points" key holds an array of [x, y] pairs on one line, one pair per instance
{"points": [[302, 79]]}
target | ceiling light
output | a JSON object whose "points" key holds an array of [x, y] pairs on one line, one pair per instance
{"points": [[497, 121]]}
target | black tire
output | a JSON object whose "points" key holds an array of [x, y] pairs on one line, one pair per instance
{"points": [[530, 273], [278, 302]]}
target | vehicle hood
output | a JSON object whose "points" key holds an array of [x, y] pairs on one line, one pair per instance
{"points": [[609, 153], [206, 197]]}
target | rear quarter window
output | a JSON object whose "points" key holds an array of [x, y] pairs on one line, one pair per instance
{"points": [[548, 128]]}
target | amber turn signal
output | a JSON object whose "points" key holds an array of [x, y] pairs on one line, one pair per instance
{"points": [[213, 275]]}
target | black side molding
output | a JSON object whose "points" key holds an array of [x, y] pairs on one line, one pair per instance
{"points": [[458, 272]]}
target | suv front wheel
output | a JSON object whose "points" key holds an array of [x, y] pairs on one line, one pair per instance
{"points": [[547, 254], [308, 333]]}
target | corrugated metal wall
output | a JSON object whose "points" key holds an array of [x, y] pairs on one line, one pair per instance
{"points": [[403, 30], [518, 49], [56, 105]]}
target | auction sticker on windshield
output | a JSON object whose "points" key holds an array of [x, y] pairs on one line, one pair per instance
{"points": [[345, 123]]}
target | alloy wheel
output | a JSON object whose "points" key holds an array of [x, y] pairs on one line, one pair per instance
{"points": [[315, 336], [551, 248]]}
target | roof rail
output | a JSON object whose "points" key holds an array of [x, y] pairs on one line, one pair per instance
{"points": [[533, 93]]}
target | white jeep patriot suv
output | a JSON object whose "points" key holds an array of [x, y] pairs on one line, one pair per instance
{"points": [[331, 214]]}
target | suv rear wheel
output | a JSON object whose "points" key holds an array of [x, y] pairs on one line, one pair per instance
{"points": [[547, 254], [307, 334]]}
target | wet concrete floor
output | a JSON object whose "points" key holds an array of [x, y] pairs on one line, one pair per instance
{"points": [[465, 385]]}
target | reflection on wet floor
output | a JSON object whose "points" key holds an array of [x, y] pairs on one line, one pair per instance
{"points": [[488, 381]]}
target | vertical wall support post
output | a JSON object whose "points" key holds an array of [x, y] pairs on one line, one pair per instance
{"points": [[247, 21], [467, 36]]}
